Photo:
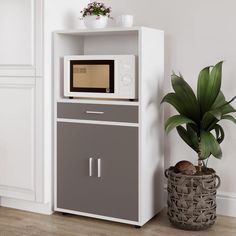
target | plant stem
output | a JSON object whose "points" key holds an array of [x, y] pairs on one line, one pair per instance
{"points": [[199, 154], [199, 163]]}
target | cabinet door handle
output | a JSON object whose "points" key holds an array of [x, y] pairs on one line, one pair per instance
{"points": [[90, 166], [99, 167], [95, 112]]}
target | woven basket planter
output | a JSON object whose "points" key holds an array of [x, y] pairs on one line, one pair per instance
{"points": [[192, 199]]}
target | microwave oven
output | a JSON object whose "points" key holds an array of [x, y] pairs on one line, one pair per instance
{"points": [[100, 76]]}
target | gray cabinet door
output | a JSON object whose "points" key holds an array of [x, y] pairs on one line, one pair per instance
{"points": [[115, 193]]}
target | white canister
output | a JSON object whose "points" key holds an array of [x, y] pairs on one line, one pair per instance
{"points": [[124, 21]]}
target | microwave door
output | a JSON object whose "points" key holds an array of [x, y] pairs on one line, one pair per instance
{"points": [[92, 76]]}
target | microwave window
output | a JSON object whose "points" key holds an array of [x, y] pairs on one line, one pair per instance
{"points": [[92, 76]]}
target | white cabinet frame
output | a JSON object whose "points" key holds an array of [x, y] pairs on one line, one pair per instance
{"points": [[148, 46]]}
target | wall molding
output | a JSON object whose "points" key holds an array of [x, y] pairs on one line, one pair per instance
{"points": [[226, 202], [42, 208], [34, 67], [27, 192]]}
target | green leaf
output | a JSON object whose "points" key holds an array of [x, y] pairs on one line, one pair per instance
{"points": [[186, 97], [231, 100], [217, 130], [210, 119], [229, 117], [227, 108], [220, 135], [221, 103], [204, 148], [172, 99], [203, 81], [175, 121], [220, 100], [214, 85], [209, 83], [209, 145], [193, 136], [186, 136]]}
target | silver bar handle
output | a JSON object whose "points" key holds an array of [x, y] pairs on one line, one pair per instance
{"points": [[95, 112], [90, 167], [99, 167]]}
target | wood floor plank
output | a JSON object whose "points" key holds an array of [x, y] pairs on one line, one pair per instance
{"points": [[20, 223]]}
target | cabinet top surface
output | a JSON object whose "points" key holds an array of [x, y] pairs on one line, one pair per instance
{"points": [[113, 30]]}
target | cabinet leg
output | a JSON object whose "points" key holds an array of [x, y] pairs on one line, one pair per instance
{"points": [[64, 213], [137, 227]]}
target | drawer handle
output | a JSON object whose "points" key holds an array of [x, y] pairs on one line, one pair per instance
{"points": [[95, 112], [90, 167], [99, 167]]}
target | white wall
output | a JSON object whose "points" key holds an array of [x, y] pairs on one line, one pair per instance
{"points": [[197, 34]]}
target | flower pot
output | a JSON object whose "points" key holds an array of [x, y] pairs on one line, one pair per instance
{"points": [[95, 22], [192, 199]]}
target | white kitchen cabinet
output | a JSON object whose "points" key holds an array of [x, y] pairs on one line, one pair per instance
{"points": [[109, 162]]}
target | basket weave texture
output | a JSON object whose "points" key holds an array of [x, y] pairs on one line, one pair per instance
{"points": [[192, 199]]}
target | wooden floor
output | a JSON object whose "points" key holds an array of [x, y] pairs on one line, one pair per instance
{"points": [[20, 223]]}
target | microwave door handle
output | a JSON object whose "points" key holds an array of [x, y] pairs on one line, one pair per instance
{"points": [[95, 112]]}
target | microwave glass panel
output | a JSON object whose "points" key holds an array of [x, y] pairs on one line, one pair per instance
{"points": [[92, 76]]}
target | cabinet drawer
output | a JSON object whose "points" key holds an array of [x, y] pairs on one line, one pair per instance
{"points": [[117, 113]]}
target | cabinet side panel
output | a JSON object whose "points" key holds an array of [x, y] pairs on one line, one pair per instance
{"points": [[151, 120]]}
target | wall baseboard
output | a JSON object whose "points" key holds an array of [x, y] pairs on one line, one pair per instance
{"points": [[42, 208], [226, 203]]}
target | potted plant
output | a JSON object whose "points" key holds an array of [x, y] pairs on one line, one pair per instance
{"points": [[96, 15], [192, 189]]}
